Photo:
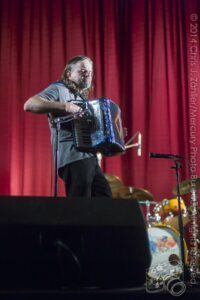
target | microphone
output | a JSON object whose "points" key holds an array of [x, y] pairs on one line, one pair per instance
{"points": [[169, 156], [139, 149]]}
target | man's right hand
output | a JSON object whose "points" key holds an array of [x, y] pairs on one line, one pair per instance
{"points": [[74, 109]]}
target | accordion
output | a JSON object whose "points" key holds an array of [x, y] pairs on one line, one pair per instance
{"points": [[101, 129]]}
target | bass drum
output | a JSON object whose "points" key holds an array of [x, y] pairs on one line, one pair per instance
{"points": [[166, 252]]}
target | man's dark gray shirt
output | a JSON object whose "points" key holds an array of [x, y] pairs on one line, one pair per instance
{"points": [[67, 152]]}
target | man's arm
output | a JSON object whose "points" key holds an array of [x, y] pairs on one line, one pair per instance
{"points": [[38, 105]]}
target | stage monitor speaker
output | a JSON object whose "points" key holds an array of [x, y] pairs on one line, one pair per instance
{"points": [[57, 242]]}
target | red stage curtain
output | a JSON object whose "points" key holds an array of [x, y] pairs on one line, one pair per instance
{"points": [[146, 60]]}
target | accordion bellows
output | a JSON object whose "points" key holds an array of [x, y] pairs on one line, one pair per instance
{"points": [[101, 130]]}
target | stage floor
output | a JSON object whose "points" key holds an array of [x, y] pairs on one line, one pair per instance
{"points": [[101, 294]]}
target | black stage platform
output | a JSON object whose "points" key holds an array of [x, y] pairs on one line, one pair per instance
{"points": [[99, 294], [79, 249]]}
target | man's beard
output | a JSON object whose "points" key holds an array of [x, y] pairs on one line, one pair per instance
{"points": [[84, 84]]}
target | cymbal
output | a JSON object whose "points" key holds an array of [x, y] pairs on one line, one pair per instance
{"points": [[114, 181], [132, 193], [185, 186]]}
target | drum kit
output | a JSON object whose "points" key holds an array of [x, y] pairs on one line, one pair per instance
{"points": [[162, 224], [164, 212]]}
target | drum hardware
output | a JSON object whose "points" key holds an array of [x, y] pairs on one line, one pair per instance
{"points": [[148, 216], [169, 283], [147, 202], [156, 216]]}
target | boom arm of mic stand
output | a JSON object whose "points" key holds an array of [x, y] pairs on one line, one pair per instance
{"points": [[131, 139], [138, 145], [56, 164], [131, 146]]}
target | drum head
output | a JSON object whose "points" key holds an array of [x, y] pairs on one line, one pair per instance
{"points": [[166, 252]]}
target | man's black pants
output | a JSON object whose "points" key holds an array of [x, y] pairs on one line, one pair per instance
{"points": [[84, 178]]}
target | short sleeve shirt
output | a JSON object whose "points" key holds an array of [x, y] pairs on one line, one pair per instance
{"points": [[67, 152]]}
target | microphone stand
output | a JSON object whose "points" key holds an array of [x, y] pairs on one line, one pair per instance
{"points": [[57, 124], [180, 217], [56, 161], [176, 159]]}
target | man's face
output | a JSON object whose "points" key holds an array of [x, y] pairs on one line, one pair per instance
{"points": [[81, 74]]}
